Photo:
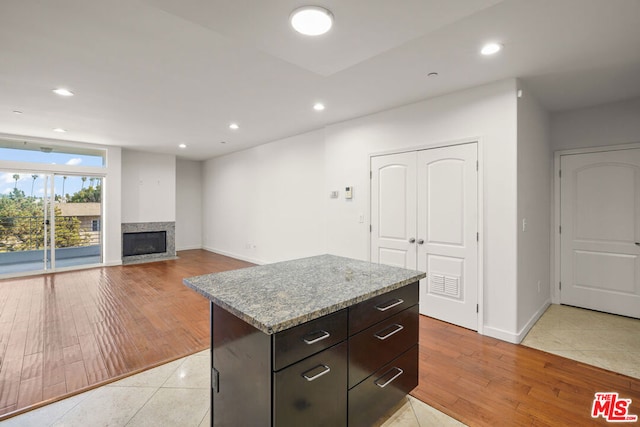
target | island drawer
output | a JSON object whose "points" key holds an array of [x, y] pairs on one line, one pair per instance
{"points": [[292, 345], [381, 343], [372, 398], [312, 391], [378, 308]]}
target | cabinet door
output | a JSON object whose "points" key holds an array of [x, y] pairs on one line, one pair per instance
{"points": [[313, 392]]}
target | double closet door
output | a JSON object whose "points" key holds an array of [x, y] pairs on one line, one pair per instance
{"points": [[424, 216]]}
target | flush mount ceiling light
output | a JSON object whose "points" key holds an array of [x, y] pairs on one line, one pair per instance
{"points": [[234, 126], [318, 106], [182, 145], [63, 92], [60, 130], [311, 20], [491, 48]]}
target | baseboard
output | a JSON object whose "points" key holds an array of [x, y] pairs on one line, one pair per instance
{"points": [[237, 256], [532, 321], [516, 338], [500, 334], [188, 248]]}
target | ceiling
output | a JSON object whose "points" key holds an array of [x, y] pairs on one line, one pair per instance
{"points": [[151, 74]]}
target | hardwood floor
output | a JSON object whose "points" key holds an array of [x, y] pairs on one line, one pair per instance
{"points": [[482, 381], [65, 332]]}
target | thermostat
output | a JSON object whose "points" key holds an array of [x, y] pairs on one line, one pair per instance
{"points": [[348, 192]]}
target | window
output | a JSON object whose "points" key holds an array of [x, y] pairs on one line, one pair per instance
{"points": [[95, 225], [23, 151]]}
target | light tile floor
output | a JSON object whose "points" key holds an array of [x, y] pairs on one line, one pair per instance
{"points": [[599, 339], [175, 394]]}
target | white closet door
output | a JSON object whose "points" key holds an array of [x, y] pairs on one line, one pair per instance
{"points": [[393, 210], [447, 227], [600, 238]]}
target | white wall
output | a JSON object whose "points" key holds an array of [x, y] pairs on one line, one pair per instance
{"points": [[534, 206], [487, 114], [112, 199], [276, 196], [266, 204], [607, 124], [188, 204], [148, 187], [614, 123]]}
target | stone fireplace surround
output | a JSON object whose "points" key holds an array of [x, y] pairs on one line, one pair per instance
{"points": [[136, 227]]}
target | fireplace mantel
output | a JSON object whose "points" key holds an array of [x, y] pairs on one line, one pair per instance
{"points": [[138, 227]]}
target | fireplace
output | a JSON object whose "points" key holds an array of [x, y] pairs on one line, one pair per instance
{"points": [[144, 243], [148, 241]]}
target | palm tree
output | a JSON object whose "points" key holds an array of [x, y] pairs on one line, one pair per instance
{"points": [[84, 179], [16, 177], [64, 179], [33, 183]]}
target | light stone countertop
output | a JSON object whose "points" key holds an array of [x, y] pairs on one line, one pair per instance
{"points": [[279, 296]]}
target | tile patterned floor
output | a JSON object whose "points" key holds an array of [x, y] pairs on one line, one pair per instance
{"points": [[599, 339], [175, 394]]}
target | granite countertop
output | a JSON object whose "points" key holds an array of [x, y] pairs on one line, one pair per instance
{"points": [[278, 296]]}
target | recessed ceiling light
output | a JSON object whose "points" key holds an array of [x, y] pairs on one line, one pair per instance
{"points": [[318, 106], [17, 112], [491, 48], [59, 130], [234, 126], [63, 92], [432, 74], [311, 20], [182, 145], [223, 142]]}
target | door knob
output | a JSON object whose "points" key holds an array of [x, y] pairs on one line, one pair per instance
{"points": [[420, 241], [412, 240]]}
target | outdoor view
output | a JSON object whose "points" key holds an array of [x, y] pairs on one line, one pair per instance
{"points": [[29, 213]]}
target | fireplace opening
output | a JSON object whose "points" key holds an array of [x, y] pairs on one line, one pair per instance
{"points": [[144, 243]]}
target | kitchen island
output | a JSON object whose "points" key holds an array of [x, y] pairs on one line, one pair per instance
{"points": [[324, 340]]}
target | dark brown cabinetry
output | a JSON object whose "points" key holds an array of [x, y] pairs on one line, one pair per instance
{"points": [[346, 368]]}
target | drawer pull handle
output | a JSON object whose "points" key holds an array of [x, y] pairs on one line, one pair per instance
{"points": [[318, 375], [397, 329], [389, 304], [323, 335], [390, 380]]}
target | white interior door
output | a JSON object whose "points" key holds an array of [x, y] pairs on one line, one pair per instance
{"points": [[393, 210], [447, 233], [424, 216], [600, 237]]}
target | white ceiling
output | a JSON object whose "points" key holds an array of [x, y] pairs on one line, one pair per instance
{"points": [[150, 74]]}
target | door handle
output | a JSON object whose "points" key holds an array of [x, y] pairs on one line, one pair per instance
{"points": [[324, 370], [420, 241], [396, 328], [412, 240], [390, 380], [319, 336]]}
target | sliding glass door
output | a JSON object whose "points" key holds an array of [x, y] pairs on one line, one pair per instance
{"points": [[49, 221], [77, 220]]}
